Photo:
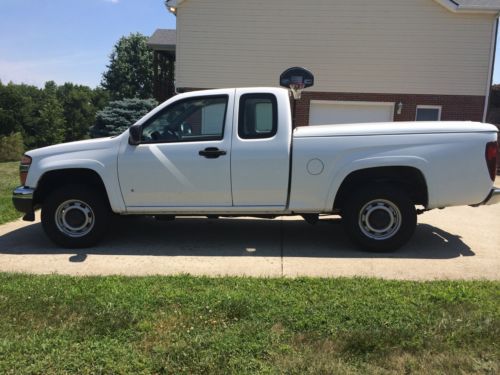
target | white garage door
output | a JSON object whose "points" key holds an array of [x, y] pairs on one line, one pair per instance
{"points": [[334, 112]]}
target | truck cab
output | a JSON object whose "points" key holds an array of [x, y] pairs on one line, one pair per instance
{"points": [[216, 150]]}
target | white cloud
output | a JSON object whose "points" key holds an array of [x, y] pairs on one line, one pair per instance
{"points": [[112, 1]]}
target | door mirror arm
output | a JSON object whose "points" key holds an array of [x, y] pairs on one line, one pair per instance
{"points": [[134, 135]]}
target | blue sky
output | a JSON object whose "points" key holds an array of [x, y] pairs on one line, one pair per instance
{"points": [[70, 40]]}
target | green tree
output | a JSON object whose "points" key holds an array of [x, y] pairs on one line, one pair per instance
{"points": [[119, 115], [19, 110], [11, 109], [50, 126], [78, 110], [130, 71]]}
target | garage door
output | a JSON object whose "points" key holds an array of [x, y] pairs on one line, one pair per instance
{"points": [[334, 112]]}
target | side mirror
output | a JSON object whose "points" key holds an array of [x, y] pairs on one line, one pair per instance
{"points": [[134, 135]]}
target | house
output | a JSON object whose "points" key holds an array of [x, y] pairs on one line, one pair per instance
{"points": [[384, 60]]}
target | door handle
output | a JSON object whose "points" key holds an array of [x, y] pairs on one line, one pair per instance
{"points": [[212, 153]]}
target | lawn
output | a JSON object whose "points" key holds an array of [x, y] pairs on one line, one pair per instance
{"points": [[9, 180], [176, 325]]}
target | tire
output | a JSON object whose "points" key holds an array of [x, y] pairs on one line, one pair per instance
{"points": [[380, 218], [75, 216]]}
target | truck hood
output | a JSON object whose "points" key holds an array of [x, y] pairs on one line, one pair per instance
{"points": [[90, 144], [393, 128]]}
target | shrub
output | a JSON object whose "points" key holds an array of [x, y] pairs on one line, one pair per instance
{"points": [[11, 147]]}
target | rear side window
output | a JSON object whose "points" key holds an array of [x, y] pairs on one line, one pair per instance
{"points": [[258, 116]]}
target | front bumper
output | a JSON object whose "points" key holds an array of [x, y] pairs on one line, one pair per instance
{"points": [[493, 197], [22, 197]]}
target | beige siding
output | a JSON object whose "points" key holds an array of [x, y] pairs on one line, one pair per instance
{"points": [[382, 46]]}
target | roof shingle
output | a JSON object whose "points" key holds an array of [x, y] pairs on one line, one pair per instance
{"points": [[163, 40]]}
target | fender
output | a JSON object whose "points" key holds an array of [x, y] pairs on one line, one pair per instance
{"points": [[106, 170], [351, 166]]}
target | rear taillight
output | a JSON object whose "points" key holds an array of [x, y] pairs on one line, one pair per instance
{"points": [[491, 158], [24, 166]]}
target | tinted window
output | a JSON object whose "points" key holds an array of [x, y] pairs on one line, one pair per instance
{"points": [[195, 119], [258, 116]]}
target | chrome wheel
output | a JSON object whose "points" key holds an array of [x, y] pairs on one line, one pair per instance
{"points": [[379, 219], [74, 218]]}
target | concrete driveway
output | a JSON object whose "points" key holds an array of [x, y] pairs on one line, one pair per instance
{"points": [[456, 243]]}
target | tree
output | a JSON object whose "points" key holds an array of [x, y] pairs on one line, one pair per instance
{"points": [[130, 71], [50, 127], [78, 110], [120, 115], [11, 109], [19, 110]]}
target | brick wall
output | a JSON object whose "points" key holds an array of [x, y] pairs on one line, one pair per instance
{"points": [[454, 107]]}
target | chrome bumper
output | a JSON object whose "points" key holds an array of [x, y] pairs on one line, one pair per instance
{"points": [[493, 197], [22, 197]]}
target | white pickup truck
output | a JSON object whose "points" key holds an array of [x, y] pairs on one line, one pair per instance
{"points": [[234, 152]]}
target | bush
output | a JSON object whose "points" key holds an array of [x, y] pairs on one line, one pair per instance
{"points": [[11, 147]]}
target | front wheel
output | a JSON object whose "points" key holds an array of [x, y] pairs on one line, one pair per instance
{"points": [[379, 218], [75, 216]]}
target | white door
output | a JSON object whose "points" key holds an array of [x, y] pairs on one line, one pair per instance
{"points": [[260, 157], [334, 112], [183, 159]]}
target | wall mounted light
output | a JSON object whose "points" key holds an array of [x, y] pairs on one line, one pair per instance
{"points": [[399, 108], [171, 6]]}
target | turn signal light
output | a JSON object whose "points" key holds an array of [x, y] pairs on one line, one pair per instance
{"points": [[491, 158], [24, 166]]}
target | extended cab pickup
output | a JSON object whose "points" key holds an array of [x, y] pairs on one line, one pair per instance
{"points": [[234, 152]]}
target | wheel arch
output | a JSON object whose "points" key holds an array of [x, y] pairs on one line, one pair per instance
{"points": [[410, 179], [54, 179]]}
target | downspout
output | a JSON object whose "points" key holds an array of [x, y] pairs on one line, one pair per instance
{"points": [[493, 51]]}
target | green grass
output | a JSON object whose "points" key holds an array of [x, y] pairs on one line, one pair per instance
{"points": [[176, 325], [9, 180]]}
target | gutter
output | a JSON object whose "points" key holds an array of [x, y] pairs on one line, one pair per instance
{"points": [[493, 51]]}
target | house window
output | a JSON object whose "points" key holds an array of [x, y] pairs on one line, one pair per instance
{"points": [[428, 113]]}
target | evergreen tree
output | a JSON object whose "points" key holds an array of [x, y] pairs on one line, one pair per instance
{"points": [[120, 115]]}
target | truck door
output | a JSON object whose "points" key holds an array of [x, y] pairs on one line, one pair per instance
{"points": [[183, 160], [260, 156]]}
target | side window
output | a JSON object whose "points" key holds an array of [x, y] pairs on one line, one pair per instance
{"points": [[194, 119], [258, 116], [428, 113]]}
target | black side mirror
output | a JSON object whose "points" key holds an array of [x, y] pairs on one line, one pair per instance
{"points": [[134, 135]]}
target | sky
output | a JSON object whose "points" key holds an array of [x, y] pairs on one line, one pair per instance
{"points": [[70, 40]]}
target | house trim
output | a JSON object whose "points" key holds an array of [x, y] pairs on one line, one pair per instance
{"points": [[448, 4], [493, 52], [454, 7]]}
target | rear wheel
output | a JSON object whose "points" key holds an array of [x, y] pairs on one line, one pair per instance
{"points": [[75, 216], [379, 218]]}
